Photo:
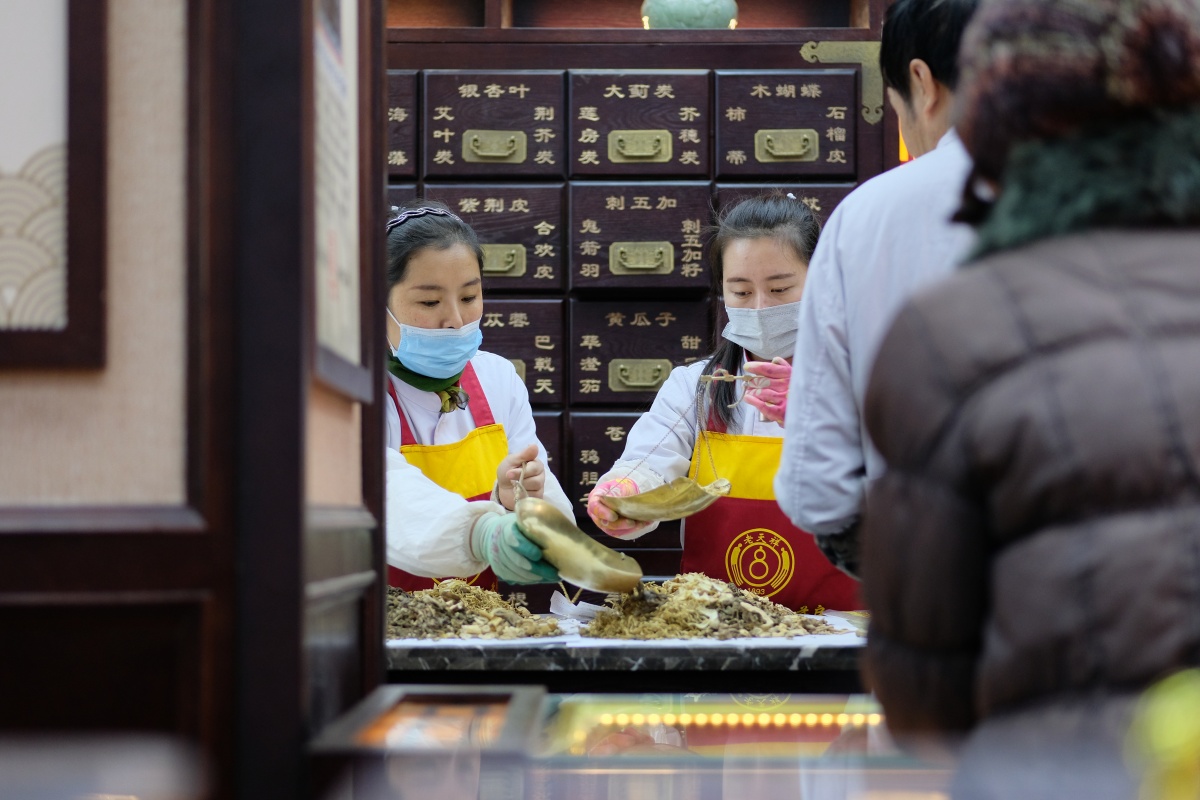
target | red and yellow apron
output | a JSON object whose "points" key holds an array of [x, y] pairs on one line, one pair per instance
{"points": [[745, 538], [466, 467]]}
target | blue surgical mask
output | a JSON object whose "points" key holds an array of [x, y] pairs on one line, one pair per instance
{"points": [[437, 352]]}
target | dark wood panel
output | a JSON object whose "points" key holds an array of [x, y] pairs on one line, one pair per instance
{"points": [[337, 541], [606, 37], [549, 426], [376, 210], [434, 13], [790, 14], [58, 520], [211, 424], [333, 650], [401, 194], [660, 563], [592, 14], [627, 14], [402, 111], [272, 179], [100, 663]]}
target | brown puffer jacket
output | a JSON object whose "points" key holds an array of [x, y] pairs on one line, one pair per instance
{"points": [[1037, 534]]}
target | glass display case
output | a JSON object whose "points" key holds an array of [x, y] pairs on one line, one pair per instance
{"points": [[520, 742]]}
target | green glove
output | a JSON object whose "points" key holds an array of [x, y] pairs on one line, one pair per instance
{"points": [[498, 540]]}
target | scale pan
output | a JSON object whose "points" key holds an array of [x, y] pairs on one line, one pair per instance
{"points": [[680, 498], [580, 559]]}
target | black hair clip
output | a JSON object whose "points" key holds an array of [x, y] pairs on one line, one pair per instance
{"points": [[420, 211]]}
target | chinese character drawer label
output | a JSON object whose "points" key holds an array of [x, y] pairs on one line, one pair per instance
{"points": [[485, 124], [520, 227], [623, 351], [529, 333], [639, 123], [638, 235], [402, 123], [798, 122], [821, 199]]}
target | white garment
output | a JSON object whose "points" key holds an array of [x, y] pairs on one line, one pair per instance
{"points": [[428, 527], [659, 446], [889, 238]]}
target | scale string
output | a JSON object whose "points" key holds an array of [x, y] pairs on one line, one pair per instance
{"points": [[701, 432]]}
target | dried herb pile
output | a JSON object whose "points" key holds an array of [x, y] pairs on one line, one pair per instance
{"points": [[694, 606], [454, 609]]}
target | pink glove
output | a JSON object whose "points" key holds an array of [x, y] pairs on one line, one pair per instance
{"points": [[769, 389], [608, 520]]}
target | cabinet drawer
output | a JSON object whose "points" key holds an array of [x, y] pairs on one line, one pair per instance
{"points": [[640, 124], [483, 124], [786, 123]]}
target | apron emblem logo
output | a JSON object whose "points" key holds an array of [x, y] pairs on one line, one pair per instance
{"points": [[760, 561]]}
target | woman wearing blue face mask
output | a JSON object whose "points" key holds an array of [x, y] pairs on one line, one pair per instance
{"points": [[759, 262], [459, 426]]}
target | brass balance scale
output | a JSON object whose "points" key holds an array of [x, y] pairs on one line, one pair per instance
{"points": [[583, 561]]}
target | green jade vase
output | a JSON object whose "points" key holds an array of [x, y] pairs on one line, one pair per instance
{"points": [[689, 13]]}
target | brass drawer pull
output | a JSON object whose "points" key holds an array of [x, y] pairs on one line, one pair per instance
{"points": [[493, 146], [641, 258], [503, 260], [652, 146], [638, 374], [786, 144]]}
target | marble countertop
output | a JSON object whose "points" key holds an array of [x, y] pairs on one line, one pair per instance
{"points": [[572, 652]]}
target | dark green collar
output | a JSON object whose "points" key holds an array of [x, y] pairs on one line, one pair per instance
{"points": [[451, 394], [1137, 173]]}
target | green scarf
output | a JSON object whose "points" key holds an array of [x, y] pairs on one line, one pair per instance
{"points": [[1137, 173], [447, 389]]}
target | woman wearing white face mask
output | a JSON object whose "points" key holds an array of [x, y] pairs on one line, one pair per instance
{"points": [[759, 261], [459, 425]]}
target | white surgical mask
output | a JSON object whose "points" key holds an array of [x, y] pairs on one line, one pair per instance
{"points": [[766, 332]]}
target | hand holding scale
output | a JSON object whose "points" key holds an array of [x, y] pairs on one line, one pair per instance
{"points": [[580, 559]]}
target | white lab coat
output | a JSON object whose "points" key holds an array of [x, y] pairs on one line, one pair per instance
{"points": [[659, 446], [428, 527], [889, 238]]}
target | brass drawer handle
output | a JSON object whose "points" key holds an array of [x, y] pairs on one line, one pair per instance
{"points": [[786, 144], [638, 374], [494, 146], [652, 146], [641, 258], [503, 260]]}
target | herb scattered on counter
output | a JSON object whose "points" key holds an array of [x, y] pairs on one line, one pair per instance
{"points": [[454, 609], [694, 606]]}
